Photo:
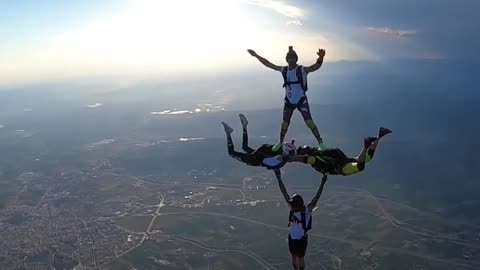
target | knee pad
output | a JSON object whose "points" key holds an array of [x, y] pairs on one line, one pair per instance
{"points": [[310, 124], [285, 124]]}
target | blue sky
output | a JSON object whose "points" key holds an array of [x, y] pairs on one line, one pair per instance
{"points": [[56, 39], [21, 20]]}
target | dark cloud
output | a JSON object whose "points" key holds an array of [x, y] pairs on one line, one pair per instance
{"points": [[434, 28]]}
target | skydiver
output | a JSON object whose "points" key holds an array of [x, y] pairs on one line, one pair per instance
{"points": [[335, 162], [299, 221], [267, 155], [295, 84]]}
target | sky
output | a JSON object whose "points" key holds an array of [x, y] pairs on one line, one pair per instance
{"points": [[45, 40]]}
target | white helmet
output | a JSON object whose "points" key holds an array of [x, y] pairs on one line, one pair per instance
{"points": [[289, 148]]}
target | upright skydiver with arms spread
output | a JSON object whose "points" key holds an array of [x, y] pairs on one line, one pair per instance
{"points": [[295, 84], [299, 221]]}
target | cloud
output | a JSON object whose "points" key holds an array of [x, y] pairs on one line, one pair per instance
{"points": [[292, 12], [295, 22], [95, 105], [392, 33], [171, 112], [190, 139]]}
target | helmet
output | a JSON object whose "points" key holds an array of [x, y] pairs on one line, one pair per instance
{"points": [[297, 201], [291, 53]]}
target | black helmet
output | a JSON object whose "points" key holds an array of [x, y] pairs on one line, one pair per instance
{"points": [[291, 53], [297, 201]]}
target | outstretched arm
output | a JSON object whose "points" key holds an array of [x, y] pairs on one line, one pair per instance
{"points": [[314, 201], [318, 64], [283, 189], [264, 61]]}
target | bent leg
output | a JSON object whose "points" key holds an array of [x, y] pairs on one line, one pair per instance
{"points": [[369, 146], [369, 149], [230, 147], [358, 163], [243, 157], [361, 158], [245, 146], [382, 132], [368, 142], [248, 159], [287, 115]]}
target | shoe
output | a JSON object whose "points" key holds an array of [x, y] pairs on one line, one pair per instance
{"points": [[227, 128], [383, 131], [244, 120], [368, 141], [322, 147]]}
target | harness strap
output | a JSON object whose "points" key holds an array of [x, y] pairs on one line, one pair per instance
{"points": [[303, 220], [299, 78]]}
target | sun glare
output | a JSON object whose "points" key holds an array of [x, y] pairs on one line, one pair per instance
{"points": [[174, 33], [149, 36]]}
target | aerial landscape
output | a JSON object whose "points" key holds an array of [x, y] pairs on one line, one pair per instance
{"points": [[132, 200]]}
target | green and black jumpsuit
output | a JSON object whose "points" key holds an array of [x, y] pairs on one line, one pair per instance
{"points": [[333, 161]]}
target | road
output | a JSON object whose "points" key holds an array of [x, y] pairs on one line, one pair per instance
{"points": [[394, 222], [149, 228], [342, 240], [258, 259]]}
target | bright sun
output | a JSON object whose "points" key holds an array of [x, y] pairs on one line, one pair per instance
{"points": [[174, 33], [149, 36]]}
